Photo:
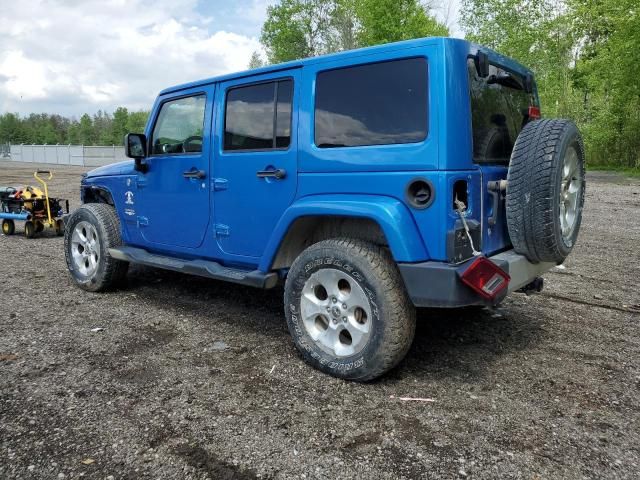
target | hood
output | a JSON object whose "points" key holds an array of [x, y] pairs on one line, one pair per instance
{"points": [[120, 168]]}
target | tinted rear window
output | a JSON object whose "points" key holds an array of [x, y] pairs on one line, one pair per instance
{"points": [[498, 113], [374, 104]]}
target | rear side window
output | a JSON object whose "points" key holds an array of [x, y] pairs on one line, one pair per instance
{"points": [[258, 117], [374, 104], [179, 126], [499, 110]]}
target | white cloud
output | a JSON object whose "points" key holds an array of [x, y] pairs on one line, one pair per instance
{"points": [[77, 56]]}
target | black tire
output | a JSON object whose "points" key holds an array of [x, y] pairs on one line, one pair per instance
{"points": [[535, 184], [8, 226], [393, 316], [493, 143], [109, 272], [29, 229], [59, 226]]}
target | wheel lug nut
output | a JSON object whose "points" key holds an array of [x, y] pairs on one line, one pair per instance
{"points": [[328, 309], [334, 300], [335, 320], [344, 305], [344, 319]]}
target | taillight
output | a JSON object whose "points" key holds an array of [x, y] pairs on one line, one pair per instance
{"points": [[534, 112], [485, 277]]}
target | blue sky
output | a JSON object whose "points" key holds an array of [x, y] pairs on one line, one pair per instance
{"points": [[241, 16], [81, 56]]}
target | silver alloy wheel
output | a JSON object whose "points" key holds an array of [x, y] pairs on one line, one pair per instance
{"points": [[570, 190], [85, 248], [336, 312]]}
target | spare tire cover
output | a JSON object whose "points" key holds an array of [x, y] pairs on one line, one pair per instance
{"points": [[545, 190]]}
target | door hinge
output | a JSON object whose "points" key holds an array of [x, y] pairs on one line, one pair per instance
{"points": [[143, 221], [221, 230], [220, 184]]}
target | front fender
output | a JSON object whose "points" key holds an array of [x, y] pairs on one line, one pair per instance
{"points": [[395, 220]]}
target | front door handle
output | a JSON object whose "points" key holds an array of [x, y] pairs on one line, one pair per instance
{"points": [[278, 173], [199, 174]]}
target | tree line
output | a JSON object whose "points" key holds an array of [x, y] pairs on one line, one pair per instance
{"points": [[305, 28], [43, 128], [586, 60], [584, 53]]}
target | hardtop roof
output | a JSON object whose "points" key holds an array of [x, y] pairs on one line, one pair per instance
{"points": [[388, 47]]}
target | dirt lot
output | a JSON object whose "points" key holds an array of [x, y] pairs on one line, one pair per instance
{"points": [[193, 378]]}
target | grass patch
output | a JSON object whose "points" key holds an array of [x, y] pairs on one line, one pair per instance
{"points": [[628, 171]]}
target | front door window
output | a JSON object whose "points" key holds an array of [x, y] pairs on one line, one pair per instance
{"points": [[179, 127]]}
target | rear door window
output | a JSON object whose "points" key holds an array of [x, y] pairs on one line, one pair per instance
{"points": [[373, 104], [258, 117], [499, 110]]}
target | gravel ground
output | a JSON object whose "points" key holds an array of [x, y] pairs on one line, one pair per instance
{"points": [[193, 378]]}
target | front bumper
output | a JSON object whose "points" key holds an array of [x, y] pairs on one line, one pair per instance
{"points": [[437, 284]]}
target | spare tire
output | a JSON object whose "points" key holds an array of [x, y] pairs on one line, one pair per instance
{"points": [[545, 190]]}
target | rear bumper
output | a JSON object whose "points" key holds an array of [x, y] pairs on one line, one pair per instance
{"points": [[437, 284]]}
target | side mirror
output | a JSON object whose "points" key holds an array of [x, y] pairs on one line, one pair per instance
{"points": [[135, 146], [482, 64]]}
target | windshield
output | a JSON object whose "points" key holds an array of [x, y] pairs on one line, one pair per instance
{"points": [[499, 110]]}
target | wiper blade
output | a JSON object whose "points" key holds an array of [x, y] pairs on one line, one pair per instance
{"points": [[506, 80]]}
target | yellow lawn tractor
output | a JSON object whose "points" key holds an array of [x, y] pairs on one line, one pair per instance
{"points": [[33, 206]]}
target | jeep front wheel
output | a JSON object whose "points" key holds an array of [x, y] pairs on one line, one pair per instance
{"points": [[347, 309], [89, 233]]}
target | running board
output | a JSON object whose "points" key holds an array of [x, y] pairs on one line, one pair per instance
{"points": [[203, 268]]}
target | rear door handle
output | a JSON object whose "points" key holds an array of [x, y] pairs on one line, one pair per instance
{"points": [[278, 173], [199, 174]]}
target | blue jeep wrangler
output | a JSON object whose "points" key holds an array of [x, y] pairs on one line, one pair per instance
{"points": [[368, 182]]}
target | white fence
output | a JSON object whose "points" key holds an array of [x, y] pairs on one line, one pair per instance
{"points": [[80, 155]]}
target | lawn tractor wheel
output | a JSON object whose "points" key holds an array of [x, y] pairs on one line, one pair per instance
{"points": [[59, 227], [39, 227], [29, 229], [8, 227]]}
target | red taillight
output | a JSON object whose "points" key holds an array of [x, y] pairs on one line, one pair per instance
{"points": [[485, 277], [534, 112]]}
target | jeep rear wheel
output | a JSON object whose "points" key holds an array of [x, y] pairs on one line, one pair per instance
{"points": [[89, 233], [347, 309], [545, 190]]}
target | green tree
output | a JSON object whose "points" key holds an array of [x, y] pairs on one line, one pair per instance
{"points": [[101, 129], [534, 32], [73, 133], [255, 61], [119, 125], [385, 21], [293, 29], [606, 73], [102, 134], [137, 122], [305, 28], [586, 61], [85, 131], [12, 129]]}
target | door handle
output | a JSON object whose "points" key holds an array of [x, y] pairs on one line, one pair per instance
{"points": [[199, 174], [278, 173]]}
